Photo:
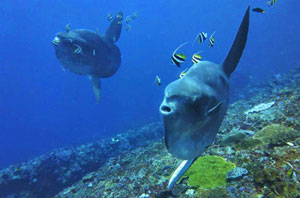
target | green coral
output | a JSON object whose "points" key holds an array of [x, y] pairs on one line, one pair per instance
{"points": [[208, 172]]}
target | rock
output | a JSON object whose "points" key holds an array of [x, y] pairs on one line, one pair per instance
{"points": [[236, 173], [260, 107], [190, 192], [276, 135], [232, 138], [297, 141], [144, 195]]}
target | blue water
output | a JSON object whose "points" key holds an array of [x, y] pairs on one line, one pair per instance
{"points": [[42, 107]]}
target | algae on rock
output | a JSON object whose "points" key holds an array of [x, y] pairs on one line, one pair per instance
{"points": [[275, 135], [208, 172]]}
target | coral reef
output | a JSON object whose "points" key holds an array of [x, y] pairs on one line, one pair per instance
{"points": [[264, 145], [49, 174]]}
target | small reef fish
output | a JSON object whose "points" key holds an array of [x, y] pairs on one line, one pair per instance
{"points": [[178, 58], [128, 27], [196, 58], [258, 10], [272, 2], [134, 16], [109, 17], [183, 73], [128, 19], [158, 81], [211, 40], [68, 27], [78, 49], [201, 37], [119, 16]]}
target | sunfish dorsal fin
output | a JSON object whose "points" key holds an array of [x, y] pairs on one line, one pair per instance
{"points": [[96, 87], [114, 30], [235, 53]]}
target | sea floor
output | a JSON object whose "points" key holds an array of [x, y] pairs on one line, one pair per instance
{"points": [[256, 154]]}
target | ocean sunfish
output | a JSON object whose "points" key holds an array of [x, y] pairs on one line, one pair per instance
{"points": [[87, 53], [194, 106]]}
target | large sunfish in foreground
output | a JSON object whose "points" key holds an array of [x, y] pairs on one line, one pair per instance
{"points": [[87, 53], [195, 105]]}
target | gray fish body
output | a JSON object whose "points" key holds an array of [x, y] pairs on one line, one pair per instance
{"points": [[193, 107], [189, 126], [97, 57], [84, 52]]}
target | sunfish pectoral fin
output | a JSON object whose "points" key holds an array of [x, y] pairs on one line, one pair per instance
{"points": [[113, 32], [96, 87], [215, 109], [179, 172], [238, 46]]}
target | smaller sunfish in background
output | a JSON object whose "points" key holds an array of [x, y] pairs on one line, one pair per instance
{"points": [[258, 10], [196, 58], [134, 16], [109, 17], [183, 73], [200, 38], [158, 80], [211, 41], [128, 19], [178, 58], [68, 27], [272, 2]]}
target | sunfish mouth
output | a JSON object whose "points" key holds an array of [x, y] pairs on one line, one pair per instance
{"points": [[55, 41]]}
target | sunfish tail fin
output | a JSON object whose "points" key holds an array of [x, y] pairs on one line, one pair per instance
{"points": [[238, 46], [113, 32], [96, 87], [179, 172]]}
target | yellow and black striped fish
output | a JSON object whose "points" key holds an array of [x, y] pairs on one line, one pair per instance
{"points": [[272, 2], [201, 37], [196, 58], [183, 73], [178, 58], [109, 17], [211, 40]]}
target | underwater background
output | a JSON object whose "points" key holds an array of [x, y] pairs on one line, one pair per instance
{"points": [[43, 108]]}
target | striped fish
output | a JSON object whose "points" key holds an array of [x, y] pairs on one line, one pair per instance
{"points": [[201, 37], [183, 73], [211, 40], [178, 58], [272, 2], [196, 58], [78, 49]]}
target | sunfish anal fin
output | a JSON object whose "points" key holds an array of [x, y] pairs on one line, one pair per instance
{"points": [[179, 172], [96, 87]]}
